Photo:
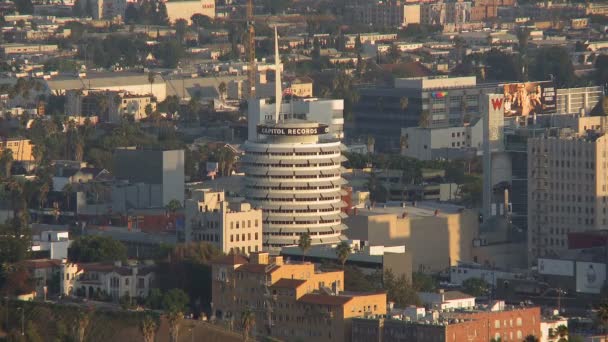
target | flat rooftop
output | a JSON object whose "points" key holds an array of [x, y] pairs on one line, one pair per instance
{"points": [[422, 208]]}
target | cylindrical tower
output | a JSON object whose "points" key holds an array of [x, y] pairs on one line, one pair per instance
{"points": [[295, 177]]}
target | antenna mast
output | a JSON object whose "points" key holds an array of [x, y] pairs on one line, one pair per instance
{"points": [[277, 80]]}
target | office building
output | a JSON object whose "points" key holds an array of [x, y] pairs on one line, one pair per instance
{"points": [[387, 13], [567, 189], [118, 105], [291, 301], [232, 227], [456, 142], [103, 9], [578, 100], [328, 112], [162, 171], [294, 175]]}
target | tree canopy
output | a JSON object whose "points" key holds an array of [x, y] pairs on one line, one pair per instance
{"points": [[96, 249]]}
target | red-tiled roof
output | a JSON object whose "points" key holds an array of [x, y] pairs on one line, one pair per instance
{"points": [[289, 283], [231, 259], [322, 299], [41, 263]]}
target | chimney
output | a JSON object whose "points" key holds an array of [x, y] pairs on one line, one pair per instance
{"points": [[260, 258]]}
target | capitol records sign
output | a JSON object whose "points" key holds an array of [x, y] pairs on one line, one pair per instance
{"points": [[292, 131]]}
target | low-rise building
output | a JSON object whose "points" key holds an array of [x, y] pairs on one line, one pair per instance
{"points": [[447, 300], [21, 148], [549, 329], [437, 235], [477, 325], [233, 227], [42, 272], [106, 281], [291, 301], [26, 49], [56, 243]]}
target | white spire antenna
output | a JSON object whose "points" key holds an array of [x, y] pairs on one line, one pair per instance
{"points": [[278, 93]]}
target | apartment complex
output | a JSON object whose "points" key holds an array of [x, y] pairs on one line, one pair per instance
{"points": [[388, 13], [184, 9], [567, 188], [478, 325], [233, 227], [22, 49], [111, 106], [291, 301]]}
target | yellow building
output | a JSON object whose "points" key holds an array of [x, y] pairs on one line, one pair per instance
{"points": [[21, 148], [436, 237], [232, 227], [291, 301]]}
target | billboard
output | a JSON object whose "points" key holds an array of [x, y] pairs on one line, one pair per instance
{"points": [[529, 98], [556, 267], [590, 277]]}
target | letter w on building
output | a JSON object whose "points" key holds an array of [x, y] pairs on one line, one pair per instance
{"points": [[496, 103]]}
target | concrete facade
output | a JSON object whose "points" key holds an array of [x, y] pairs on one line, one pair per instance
{"points": [[233, 227], [177, 9], [155, 168]]}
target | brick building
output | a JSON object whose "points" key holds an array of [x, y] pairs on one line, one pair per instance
{"points": [[508, 324], [291, 301]]}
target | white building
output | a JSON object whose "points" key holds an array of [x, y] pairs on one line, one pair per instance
{"points": [[463, 272], [445, 300], [98, 280], [549, 329], [442, 143], [295, 176], [324, 111], [55, 242], [233, 227], [184, 9]]}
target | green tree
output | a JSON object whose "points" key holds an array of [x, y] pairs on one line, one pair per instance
{"points": [[81, 324], [425, 119], [201, 21], [601, 65], [131, 14], [305, 243], [151, 79], [423, 282], [24, 6], [476, 287], [602, 314], [343, 250], [181, 27], [222, 89], [31, 332], [247, 323], [531, 338], [173, 206], [554, 61], [96, 249], [175, 300], [399, 290]]}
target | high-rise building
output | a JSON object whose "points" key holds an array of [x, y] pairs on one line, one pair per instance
{"points": [[567, 189], [295, 175]]}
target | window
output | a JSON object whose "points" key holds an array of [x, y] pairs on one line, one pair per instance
{"points": [[248, 236], [237, 224], [256, 223], [126, 281], [248, 223], [231, 238], [237, 237], [497, 324], [231, 225], [518, 321]]}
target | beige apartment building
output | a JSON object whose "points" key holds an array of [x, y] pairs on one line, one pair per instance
{"points": [[291, 301], [22, 148], [567, 186], [436, 237], [232, 227], [126, 104]]}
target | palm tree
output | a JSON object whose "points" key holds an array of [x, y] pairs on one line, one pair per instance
{"points": [[425, 119], [173, 206], [247, 322], [174, 318], [602, 314], [562, 331], [151, 78], [342, 251], [370, 144], [404, 102], [305, 243], [222, 89], [43, 193], [6, 160], [82, 321], [148, 327]]}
